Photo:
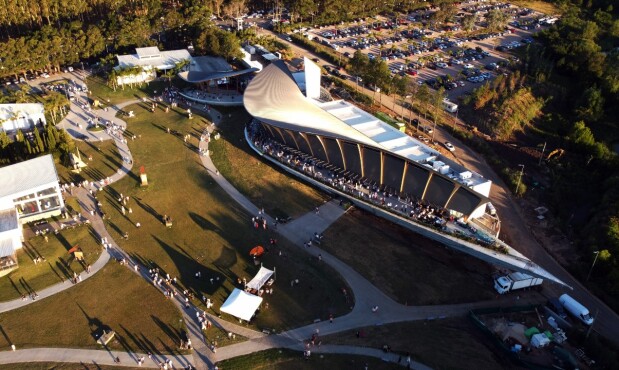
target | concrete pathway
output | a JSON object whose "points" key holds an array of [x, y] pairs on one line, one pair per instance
{"points": [[87, 357]]}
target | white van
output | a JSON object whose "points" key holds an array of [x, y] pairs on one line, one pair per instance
{"points": [[575, 308], [450, 106]]}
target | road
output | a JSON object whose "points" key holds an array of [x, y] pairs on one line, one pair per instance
{"points": [[513, 222]]}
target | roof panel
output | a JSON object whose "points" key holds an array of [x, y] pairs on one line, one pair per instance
{"points": [[28, 174]]}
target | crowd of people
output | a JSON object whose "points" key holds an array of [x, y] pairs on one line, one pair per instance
{"points": [[350, 183]]}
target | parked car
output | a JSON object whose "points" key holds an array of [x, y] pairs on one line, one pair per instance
{"points": [[449, 146]]}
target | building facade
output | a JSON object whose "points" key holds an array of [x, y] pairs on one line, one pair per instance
{"points": [[14, 117], [32, 189]]}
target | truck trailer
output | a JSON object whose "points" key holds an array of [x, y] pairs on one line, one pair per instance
{"points": [[515, 281]]}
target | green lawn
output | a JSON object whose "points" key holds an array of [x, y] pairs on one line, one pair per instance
{"points": [[102, 158], [99, 90], [419, 272], [445, 344], [57, 267], [280, 194], [62, 366], [293, 360], [211, 233], [115, 298]]}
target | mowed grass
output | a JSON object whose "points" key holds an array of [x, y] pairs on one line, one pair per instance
{"points": [[211, 234], [115, 298], [409, 268], [280, 194], [62, 366], [57, 267], [538, 5], [293, 360], [99, 90], [446, 344], [102, 158]]}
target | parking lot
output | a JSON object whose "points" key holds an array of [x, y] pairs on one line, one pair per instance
{"points": [[445, 57]]}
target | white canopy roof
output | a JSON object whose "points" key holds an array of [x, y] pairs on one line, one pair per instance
{"points": [[27, 175], [260, 279], [241, 304]]}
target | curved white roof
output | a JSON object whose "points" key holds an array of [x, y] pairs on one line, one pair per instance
{"points": [[273, 97]]}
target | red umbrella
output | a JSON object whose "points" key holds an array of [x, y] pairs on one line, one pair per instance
{"points": [[257, 251]]}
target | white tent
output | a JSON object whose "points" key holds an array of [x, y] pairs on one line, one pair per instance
{"points": [[260, 279], [241, 304]]}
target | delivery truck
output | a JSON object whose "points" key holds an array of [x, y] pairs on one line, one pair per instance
{"points": [[575, 308], [515, 281]]}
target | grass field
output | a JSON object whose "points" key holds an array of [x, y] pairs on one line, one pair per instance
{"points": [[211, 234], [102, 158], [99, 90], [420, 271], [541, 6], [279, 194], [62, 366], [57, 267], [293, 360], [445, 344], [115, 299]]}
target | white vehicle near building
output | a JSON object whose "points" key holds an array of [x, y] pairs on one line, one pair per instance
{"points": [[576, 309], [449, 106]]}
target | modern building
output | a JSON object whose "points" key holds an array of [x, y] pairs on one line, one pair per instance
{"points": [[345, 136], [10, 240], [31, 188], [21, 116], [215, 81], [150, 61], [349, 153]]}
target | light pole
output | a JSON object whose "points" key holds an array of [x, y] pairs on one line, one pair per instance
{"points": [[597, 253], [519, 177]]}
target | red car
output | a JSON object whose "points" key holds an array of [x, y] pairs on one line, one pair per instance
{"points": [[411, 72]]}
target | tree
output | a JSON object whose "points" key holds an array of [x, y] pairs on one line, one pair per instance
{"points": [[40, 148], [591, 105], [5, 147], [437, 102], [51, 134], [468, 22], [497, 20], [423, 97]]}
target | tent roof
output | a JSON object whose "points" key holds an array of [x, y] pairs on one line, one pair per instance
{"points": [[241, 304], [260, 279]]}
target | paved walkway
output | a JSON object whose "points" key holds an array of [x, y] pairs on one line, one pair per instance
{"points": [[87, 357]]}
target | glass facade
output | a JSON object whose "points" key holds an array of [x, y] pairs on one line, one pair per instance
{"points": [[38, 202]]}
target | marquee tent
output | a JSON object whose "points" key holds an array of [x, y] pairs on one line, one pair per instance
{"points": [[260, 279], [241, 304]]}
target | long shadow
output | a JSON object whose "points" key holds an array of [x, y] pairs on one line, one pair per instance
{"points": [[15, 286], [62, 267], [188, 268], [55, 272], [148, 209], [172, 333], [94, 324], [6, 336], [203, 222], [26, 286]]}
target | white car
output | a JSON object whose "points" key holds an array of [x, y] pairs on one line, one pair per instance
{"points": [[450, 146], [469, 65], [441, 65], [45, 75]]}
